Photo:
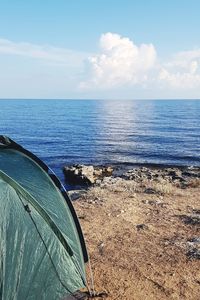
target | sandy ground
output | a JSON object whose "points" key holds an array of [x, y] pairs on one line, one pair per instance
{"points": [[143, 245]]}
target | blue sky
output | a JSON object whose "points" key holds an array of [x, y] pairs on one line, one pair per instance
{"points": [[99, 49]]}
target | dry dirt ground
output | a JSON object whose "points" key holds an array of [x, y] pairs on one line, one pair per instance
{"points": [[144, 243]]}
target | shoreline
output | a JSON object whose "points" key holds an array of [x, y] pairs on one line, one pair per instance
{"points": [[83, 176]]}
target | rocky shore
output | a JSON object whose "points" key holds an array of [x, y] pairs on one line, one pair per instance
{"points": [[88, 176], [142, 229]]}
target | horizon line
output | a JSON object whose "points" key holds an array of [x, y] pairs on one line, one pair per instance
{"points": [[102, 99]]}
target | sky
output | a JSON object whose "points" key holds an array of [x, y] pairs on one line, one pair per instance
{"points": [[100, 49]]}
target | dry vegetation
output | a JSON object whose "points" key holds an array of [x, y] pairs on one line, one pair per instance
{"points": [[143, 238], [129, 187], [194, 183]]}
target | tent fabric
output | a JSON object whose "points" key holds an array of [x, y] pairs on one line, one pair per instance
{"points": [[42, 249]]}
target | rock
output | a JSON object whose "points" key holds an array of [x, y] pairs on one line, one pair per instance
{"points": [[98, 181], [174, 172], [81, 217], [86, 175], [193, 246], [139, 174], [193, 253], [76, 194], [110, 180], [173, 175], [79, 174], [193, 219], [195, 240], [98, 172], [88, 172], [141, 227], [191, 174], [196, 211], [179, 178], [153, 202], [150, 191], [101, 247], [108, 171]]}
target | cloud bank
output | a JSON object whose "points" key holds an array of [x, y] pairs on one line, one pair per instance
{"points": [[123, 63], [120, 65]]}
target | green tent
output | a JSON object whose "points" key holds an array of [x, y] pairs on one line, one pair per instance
{"points": [[42, 249]]}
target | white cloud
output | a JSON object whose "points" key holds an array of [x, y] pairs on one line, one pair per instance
{"points": [[177, 80], [43, 52], [182, 72], [120, 62]]}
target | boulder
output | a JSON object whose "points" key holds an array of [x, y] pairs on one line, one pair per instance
{"points": [[85, 175], [79, 174]]}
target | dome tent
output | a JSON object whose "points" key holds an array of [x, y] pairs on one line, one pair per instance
{"points": [[42, 247]]}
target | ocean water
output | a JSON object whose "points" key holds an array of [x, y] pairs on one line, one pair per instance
{"points": [[105, 132]]}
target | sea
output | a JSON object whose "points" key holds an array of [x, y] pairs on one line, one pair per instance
{"points": [[101, 132]]}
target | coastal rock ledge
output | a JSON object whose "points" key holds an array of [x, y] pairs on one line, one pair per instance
{"points": [[86, 175], [80, 174]]}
